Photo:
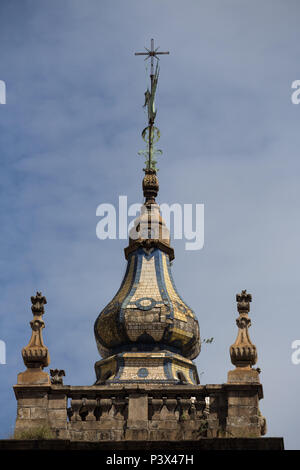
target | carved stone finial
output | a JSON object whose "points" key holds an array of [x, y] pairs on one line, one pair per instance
{"points": [[57, 376], [35, 354], [243, 352], [243, 302], [38, 303]]}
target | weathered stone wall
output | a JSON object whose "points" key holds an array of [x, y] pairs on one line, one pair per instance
{"points": [[141, 412]]}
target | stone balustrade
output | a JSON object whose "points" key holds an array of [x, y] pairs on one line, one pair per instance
{"points": [[141, 412]]}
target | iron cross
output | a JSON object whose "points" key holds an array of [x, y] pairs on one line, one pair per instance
{"points": [[151, 53]]}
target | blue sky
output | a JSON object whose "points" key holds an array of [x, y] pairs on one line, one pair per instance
{"points": [[69, 137]]}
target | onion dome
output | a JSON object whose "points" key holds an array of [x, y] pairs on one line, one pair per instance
{"points": [[147, 313]]}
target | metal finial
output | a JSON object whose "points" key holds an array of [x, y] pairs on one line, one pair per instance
{"points": [[151, 134]]}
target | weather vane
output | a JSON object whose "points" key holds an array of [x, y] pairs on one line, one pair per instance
{"points": [[151, 133]]}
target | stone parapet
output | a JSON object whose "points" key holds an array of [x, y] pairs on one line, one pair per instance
{"points": [[136, 412]]}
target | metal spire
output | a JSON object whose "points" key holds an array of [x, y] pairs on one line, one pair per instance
{"points": [[151, 133]]}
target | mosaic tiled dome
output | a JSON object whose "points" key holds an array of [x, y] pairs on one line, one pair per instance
{"points": [[147, 313]]}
